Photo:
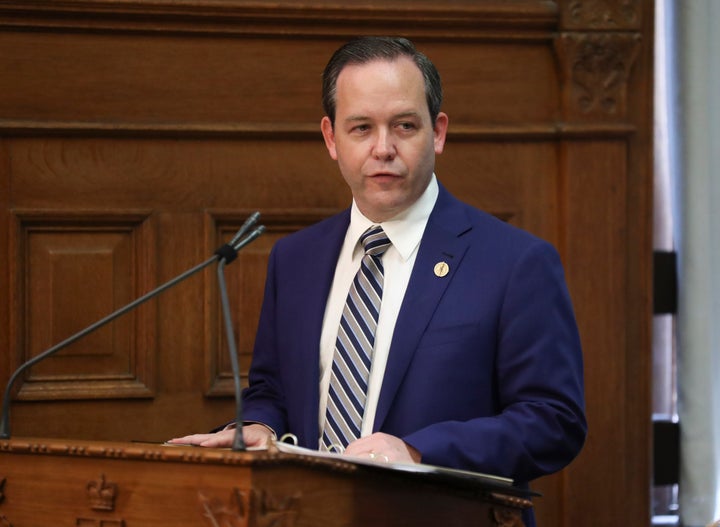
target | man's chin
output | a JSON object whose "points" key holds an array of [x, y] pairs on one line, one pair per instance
{"points": [[385, 209]]}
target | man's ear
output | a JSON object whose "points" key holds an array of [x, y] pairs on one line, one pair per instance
{"points": [[440, 132], [329, 135]]}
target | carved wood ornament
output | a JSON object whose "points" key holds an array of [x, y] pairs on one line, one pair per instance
{"points": [[596, 69], [101, 494], [251, 508]]}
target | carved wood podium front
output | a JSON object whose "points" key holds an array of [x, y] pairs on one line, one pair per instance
{"points": [[46, 482]]}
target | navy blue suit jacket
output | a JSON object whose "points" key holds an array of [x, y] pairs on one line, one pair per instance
{"points": [[485, 369]]}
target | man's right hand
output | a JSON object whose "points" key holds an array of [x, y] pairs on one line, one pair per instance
{"points": [[255, 435]]}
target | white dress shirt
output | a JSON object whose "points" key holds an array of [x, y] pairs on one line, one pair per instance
{"points": [[405, 232]]}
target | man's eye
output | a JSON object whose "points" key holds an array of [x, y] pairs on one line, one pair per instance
{"points": [[407, 126], [361, 128]]}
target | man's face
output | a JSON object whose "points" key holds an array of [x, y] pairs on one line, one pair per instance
{"points": [[383, 139]]}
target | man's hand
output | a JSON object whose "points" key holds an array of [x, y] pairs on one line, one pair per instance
{"points": [[383, 447], [255, 435]]}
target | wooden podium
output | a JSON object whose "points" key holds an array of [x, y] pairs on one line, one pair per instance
{"points": [[52, 483]]}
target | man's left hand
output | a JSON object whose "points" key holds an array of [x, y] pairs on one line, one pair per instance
{"points": [[383, 447]]}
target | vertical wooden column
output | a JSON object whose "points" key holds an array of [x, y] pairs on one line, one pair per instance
{"points": [[604, 51]]}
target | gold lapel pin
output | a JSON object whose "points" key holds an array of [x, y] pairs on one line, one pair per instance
{"points": [[441, 269]]}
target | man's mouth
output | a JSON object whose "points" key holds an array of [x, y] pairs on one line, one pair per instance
{"points": [[384, 175]]}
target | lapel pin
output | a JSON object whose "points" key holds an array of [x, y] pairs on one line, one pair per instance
{"points": [[441, 269]]}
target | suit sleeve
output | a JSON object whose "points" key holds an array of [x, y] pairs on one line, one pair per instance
{"points": [[539, 425], [263, 400]]}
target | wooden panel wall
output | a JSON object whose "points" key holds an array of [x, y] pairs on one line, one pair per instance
{"points": [[136, 136]]}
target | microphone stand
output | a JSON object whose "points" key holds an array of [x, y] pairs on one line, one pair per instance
{"points": [[223, 255], [238, 441]]}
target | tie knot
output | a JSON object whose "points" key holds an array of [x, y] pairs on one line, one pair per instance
{"points": [[374, 241]]}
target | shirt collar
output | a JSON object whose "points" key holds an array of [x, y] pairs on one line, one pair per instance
{"points": [[404, 230]]}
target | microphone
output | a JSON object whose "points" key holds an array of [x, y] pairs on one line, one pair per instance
{"points": [[252, 220], [228, 252], [223, 255]]}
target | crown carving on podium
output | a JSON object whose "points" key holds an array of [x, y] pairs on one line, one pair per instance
{"points": [[101, 494]]}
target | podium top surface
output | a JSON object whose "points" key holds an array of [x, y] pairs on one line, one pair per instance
{"points": [[276, 455], [81, 482]]}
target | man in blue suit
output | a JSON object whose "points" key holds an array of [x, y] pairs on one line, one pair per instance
{"points": [[476, 362]]}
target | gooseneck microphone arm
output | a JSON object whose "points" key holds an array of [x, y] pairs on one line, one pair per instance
{"points": [[224, 255]]}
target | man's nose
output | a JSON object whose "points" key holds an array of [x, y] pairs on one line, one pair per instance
{"points": [[384, 145]]}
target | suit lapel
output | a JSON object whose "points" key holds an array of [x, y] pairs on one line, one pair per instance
{"points": [[441, 242]]}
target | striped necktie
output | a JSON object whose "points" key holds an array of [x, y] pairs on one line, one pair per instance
{"points": [[354, 346]]}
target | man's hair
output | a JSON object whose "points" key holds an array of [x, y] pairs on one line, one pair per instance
{"points": [[367, 49]]}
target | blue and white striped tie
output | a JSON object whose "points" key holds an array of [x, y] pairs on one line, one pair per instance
{"points": [[354, 346]]}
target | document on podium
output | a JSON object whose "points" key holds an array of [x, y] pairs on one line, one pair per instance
{"points": [[419, 468]]}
